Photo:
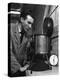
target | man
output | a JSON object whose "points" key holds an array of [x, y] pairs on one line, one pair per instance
{"points": [[19, 41]]}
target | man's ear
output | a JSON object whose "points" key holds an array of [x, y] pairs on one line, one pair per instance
{"points": [[22, 19]]}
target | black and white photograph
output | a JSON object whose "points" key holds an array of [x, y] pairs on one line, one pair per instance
{"points": [[33, 39]]}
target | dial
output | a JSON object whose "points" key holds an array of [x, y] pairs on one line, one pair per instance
{"points": [[53, 60]]}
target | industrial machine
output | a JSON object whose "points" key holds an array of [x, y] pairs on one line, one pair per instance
{"points": [[40, 60]]}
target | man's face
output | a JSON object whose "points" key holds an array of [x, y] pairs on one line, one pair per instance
{"points": [[27, 23]]}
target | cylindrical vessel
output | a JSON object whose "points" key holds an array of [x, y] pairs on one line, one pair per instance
{"points": [[41, 44]]}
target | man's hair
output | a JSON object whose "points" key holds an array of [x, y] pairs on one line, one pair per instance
{"points": [[25, 13]]}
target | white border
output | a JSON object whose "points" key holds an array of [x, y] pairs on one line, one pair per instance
{"points": [[4, 38]]}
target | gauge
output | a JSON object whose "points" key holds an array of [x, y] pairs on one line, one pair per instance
{"points": [[53, 60]]}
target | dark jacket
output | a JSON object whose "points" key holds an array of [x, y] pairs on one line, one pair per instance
{"points": [[17, 49]]}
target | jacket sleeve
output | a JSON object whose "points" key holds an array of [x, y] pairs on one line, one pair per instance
{"points": [[15, 66], [17, 51]]}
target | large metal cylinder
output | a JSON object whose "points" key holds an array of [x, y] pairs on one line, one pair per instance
{"points": [[41, 44]]}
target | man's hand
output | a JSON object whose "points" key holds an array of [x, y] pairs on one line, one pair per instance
{"points": [[24, 68], [29, 40], [25, 39]]}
